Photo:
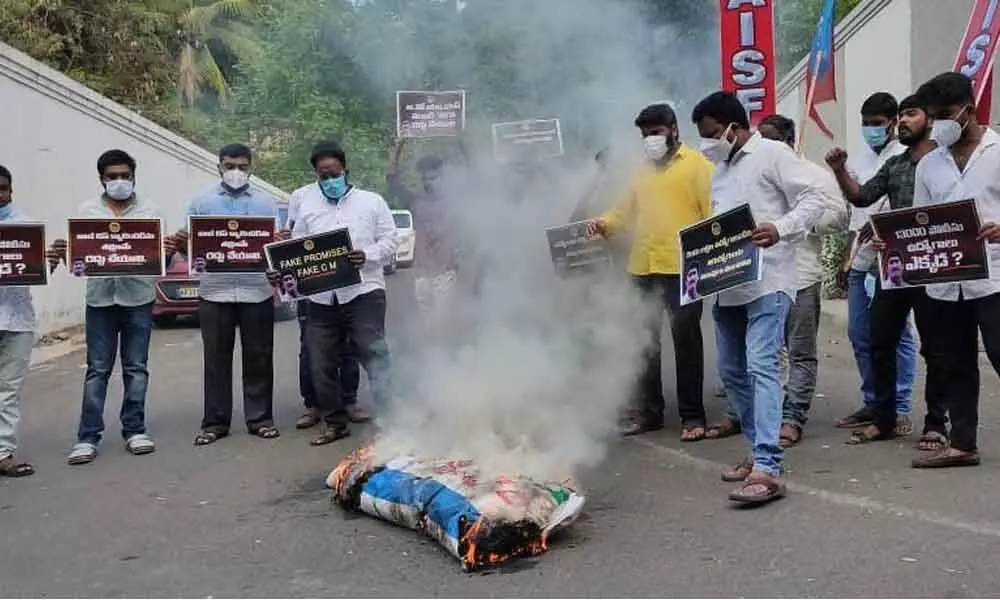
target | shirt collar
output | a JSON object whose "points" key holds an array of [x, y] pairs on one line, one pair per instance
{"points": [[129, 207], [753, 144], [226, 192]]}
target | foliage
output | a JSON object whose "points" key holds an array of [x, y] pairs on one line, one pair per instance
{"points": [[795, 24]]}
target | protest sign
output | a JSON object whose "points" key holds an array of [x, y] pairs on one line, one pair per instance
{"points": [[430, 114], [527, 140], [224, 244], [718, 254], [314, 264], [115, 248], [930, 244], [22, 254], [574, 252]]}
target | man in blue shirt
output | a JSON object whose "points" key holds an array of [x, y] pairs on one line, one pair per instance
{"points": [[231, 301]]}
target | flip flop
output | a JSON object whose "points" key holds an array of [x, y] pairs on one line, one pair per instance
{"points": [[791, 434], [725, 428], [738, 473], [11, 468], [932, 441], [945, 459], [693, 432], [207, 437], [266, 432], [773, 489]]}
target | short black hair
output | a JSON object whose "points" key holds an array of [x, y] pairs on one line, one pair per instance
{"points": [[947, 89], [656, 115], [913, 101], [327, 149], [429, 163], [784, 125], [880, 104], [114, 158], [236, 151], [5, 173], [722, 106]]}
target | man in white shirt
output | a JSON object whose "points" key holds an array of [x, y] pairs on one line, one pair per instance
{"points": [[17, 336], [350, 371], [965, 165], [802, 329], [356, 312], [787, 203], [879, 118]]}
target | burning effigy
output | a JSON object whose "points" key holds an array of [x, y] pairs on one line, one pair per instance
{"points": [[483, 522]]}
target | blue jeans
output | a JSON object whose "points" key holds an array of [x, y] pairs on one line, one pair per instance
{"points": [[749, 339], [859, 332], [104, 326]]}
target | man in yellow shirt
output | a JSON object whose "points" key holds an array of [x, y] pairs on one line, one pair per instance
{"points": [[668, 193]]}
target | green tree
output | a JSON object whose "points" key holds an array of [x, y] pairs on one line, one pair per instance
{"points": [[795, 24]]}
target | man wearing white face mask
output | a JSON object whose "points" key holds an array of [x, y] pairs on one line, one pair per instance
{"points": [[119, 313], [787, 201], [964, 165], [667, 194]]}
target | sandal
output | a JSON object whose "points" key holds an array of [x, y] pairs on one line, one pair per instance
{"points": [[693, 432], [266, 432], [791, 434], [207, 437], [759, 488], [738, 473], [11, 468], [932, 441], [863, 417], [949, 457], [330, 435], [725, 428], [637, 426], [904, 426], [867, 435]]}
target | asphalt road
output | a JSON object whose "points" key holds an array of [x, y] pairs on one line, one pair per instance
{"points": [[249, 517]]}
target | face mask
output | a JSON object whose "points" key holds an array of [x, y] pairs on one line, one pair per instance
{"points": [[119, 189], [718, 150], [875, 136], [334, 187], [235, 179], [655, 146], [5, 211], [945, 132]]}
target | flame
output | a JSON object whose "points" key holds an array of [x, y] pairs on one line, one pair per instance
{"points": [[474, 560], [349, 466]]}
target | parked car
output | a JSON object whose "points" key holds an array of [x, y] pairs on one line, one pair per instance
{"points": [[177, 296], [407, 237]]}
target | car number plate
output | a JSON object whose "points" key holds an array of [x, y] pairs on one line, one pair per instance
{"points": [[188, 292]]}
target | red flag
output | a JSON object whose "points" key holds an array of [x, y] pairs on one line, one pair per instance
{"points": [[820, 74], [978, 51], [748, 67]]}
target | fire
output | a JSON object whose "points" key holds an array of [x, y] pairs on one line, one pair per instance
{"points": [[475, 559], [348, 467]]}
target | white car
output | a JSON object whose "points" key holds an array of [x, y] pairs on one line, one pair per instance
{"points": [[406, 237]]}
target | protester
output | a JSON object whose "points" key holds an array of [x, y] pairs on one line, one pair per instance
{"points": [[889, 312], [802, 327], [350, 370], [964, 165], [17, 336], [787, 202], [356, 312], [231, 301], [668, 193], [878, 127], [118, 308]]}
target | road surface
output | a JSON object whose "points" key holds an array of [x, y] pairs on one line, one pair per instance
{"points": [[248, 517]]}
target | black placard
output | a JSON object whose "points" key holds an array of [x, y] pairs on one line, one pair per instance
{"points": [[314, 264], [574, 252], [527, 140], [717, 254]]}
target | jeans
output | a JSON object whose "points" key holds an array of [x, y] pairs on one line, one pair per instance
{"points": [[749, 340], [125, 329], [663, 294], [363, 321], [801, 331], [219, 321], [15, 354], [350, 370], [859, 332]]}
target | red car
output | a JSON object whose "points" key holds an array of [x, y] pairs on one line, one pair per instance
{"points": [[177, 296]]}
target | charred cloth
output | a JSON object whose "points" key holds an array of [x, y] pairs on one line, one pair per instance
{"points": [[483, 523]]}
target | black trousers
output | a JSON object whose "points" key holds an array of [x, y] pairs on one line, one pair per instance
{"points": [[350, 370], [362, 320], [663, 294], [219, 321]]}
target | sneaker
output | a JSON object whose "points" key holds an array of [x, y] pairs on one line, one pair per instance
{"points": [[82, 453], [139, 444]]}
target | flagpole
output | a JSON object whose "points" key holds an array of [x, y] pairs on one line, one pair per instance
{"points": [[810, 94]]}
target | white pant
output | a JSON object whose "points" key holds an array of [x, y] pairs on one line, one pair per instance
{"points": [[15, 354]]}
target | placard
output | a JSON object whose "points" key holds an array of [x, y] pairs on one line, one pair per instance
{"points": [[115, 248], [718, 254], [430, 114], [527, 140], [313, 264], [574, 252], [228, 244], [22, 254], [931, 244]]}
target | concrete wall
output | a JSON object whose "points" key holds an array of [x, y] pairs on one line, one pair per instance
{"points": [[53, 131], [883, 45]]}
